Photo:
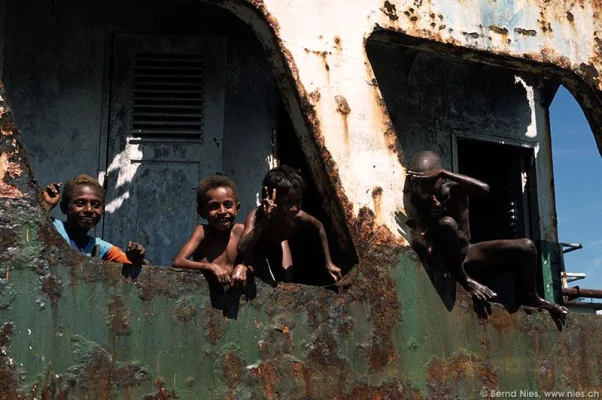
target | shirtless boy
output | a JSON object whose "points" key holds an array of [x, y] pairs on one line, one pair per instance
{"points": [[83, 204], [441, 201], [270, 225], [213, 246]]}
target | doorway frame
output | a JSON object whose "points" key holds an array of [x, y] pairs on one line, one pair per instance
{"points": [[530, 201]]}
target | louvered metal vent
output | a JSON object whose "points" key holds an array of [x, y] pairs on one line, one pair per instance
{"points": [[167, 96]]}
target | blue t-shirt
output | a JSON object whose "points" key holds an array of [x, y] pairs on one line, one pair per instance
{"points": [[104, 247]]}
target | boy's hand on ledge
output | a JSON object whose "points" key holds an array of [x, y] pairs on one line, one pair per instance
{"points": [[220, 273], [51, 195], [135, 253], [239, 275], [334, 271]]}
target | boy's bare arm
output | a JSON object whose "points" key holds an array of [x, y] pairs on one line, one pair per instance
{"points": [[472, 186], [50, 196], [251, 234], [182, 259], [308, 220], [255, 223]]}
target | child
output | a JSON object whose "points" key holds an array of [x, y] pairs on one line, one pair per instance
{"points": [[440, 198], [83, 204], [213, 246], [269, 226]]}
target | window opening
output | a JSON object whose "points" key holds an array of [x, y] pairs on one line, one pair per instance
{"points": [[577, 162], [504, 214], [305, 246]]}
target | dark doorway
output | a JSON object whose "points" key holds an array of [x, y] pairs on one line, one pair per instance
{"points": [[510, 173], [306, 249]]}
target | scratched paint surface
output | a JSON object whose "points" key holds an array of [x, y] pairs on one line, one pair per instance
{"points": [[74, 327]]}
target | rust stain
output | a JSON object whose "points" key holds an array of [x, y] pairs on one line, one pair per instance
{"points": [[10, 191], [233, 368], [52, 286], [344, 110], [117, 316], [377, 192], [9, 376], [214, 324], [497, 29], [162, 392], [445, 373], [368, 230], [338, 43], [302, 376], [502, 321], [323, 55], [390, 11], [570, 16], [588, 71], [526, 32], [13, 169], [266, 372], [373, 271], [184, 311], [4, 164], [315, 96], [342, 105]]}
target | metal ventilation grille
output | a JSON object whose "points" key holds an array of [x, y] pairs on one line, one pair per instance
{"points": [[167, 96]]}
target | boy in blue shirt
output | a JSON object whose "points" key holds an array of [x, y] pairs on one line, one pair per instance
{"points": [[83, 204]]}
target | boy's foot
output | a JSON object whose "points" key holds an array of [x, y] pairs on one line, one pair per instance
{"points": [[555, 310], [481, 292]]}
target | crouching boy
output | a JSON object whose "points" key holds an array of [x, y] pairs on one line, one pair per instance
{"points": [[83, 204]]}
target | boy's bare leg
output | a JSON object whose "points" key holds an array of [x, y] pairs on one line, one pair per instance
{"points": [[287, 262], [453, 256], [520, 255]]}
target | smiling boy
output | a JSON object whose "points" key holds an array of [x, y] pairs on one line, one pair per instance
{"points": [[213, 246], [83, 204]]}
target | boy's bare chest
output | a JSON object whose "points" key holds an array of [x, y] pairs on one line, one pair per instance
{"points": [[278, 232], [218, 251]]}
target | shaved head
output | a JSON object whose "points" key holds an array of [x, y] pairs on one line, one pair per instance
{"points": [[425, 161]]}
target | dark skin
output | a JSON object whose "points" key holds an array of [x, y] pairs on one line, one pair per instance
{"points": [[213, 246], [441, 201], [84, 210], [277, 219]]}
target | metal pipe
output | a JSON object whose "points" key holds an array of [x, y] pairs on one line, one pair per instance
{"points": [[573, 276], [574, 292], [571, 247]]}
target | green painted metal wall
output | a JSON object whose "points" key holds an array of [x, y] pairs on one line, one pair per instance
{"points": [[78, 328]]}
